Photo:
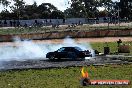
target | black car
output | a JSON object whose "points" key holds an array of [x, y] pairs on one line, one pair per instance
{"points": [[72, 53]]}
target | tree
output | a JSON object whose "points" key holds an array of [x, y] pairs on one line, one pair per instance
{"points": [[4, 2], [84, 8], [47, 10], [30, 10], [57, 15], [68, 13], [22, 11], [125, 8], [45, 14], [103, 13], [77, 9], [46, 7], [18, 7], [5, 14], [88, 8]]}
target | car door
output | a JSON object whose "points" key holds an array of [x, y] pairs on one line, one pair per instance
{"points": [[61, 53]]}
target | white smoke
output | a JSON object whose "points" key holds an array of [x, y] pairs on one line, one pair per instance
{"points": [[24, 50], [84, 46]]}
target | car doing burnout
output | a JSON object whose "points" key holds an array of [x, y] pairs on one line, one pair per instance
{"points": [[72, 53]]}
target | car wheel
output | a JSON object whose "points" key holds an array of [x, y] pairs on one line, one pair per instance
{"points": [[52, 57]]}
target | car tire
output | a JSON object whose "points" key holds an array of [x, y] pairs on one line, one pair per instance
{"points": [[52, 57]]}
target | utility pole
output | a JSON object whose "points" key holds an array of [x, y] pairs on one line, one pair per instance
{"points": [[118, 14], [108, 16], [118, 17]]}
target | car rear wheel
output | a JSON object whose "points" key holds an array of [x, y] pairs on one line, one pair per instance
{"points": [[52, 57]]}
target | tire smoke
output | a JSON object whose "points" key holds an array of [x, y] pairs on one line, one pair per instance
{"points": [[27, 49]]}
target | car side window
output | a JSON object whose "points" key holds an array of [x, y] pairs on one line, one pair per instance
{"points": [[61, 49], [67, 49], [72, 50]]}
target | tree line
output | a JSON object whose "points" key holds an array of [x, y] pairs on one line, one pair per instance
{"points": [[78, 9], [19, 10]]}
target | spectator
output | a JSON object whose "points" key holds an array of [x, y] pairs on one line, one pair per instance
{"points": [[25, 25], [119, 42], [11, 23], [80, 23], [36, 21], [18, 23], [105, 20], [5, 23], [64, 21], [14, 23], [0, 23], [50, 22], [46, 21]]}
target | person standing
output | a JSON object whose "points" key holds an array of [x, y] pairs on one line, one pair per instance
{"points": [[119, 42], [10, 23]]}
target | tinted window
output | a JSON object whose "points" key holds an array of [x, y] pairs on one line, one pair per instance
{"points": [[61, 49], [77, 48], [67, 49]]}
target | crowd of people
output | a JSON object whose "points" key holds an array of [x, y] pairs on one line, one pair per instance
{"points": [[12, 23], [35, 23], [55, 22]]}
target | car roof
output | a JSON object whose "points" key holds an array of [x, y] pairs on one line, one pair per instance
{"points": [[71, 47]]}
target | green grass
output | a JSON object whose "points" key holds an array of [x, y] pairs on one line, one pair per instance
{"points": [[113, 49], [64, 28], [66, 77], [21, 30], [63, 77], [112, 45], [100, 46]]}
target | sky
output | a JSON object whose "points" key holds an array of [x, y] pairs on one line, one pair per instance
{"points": [[60, 4]]}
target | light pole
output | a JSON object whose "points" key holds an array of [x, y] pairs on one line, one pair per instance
{"points": [[118, 13], [118, 17], [108, 16], [97, 5]]}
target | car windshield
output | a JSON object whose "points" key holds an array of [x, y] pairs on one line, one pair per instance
{"points": [[79, 49]]}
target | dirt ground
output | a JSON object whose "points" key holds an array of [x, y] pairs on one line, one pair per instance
{"points": [[85, 40], [77, 40]]}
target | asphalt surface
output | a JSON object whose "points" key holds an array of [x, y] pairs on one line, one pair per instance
{"points": [[46, 64]]}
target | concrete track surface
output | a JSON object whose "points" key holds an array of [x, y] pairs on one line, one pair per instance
{"points": [[46, 64]]}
